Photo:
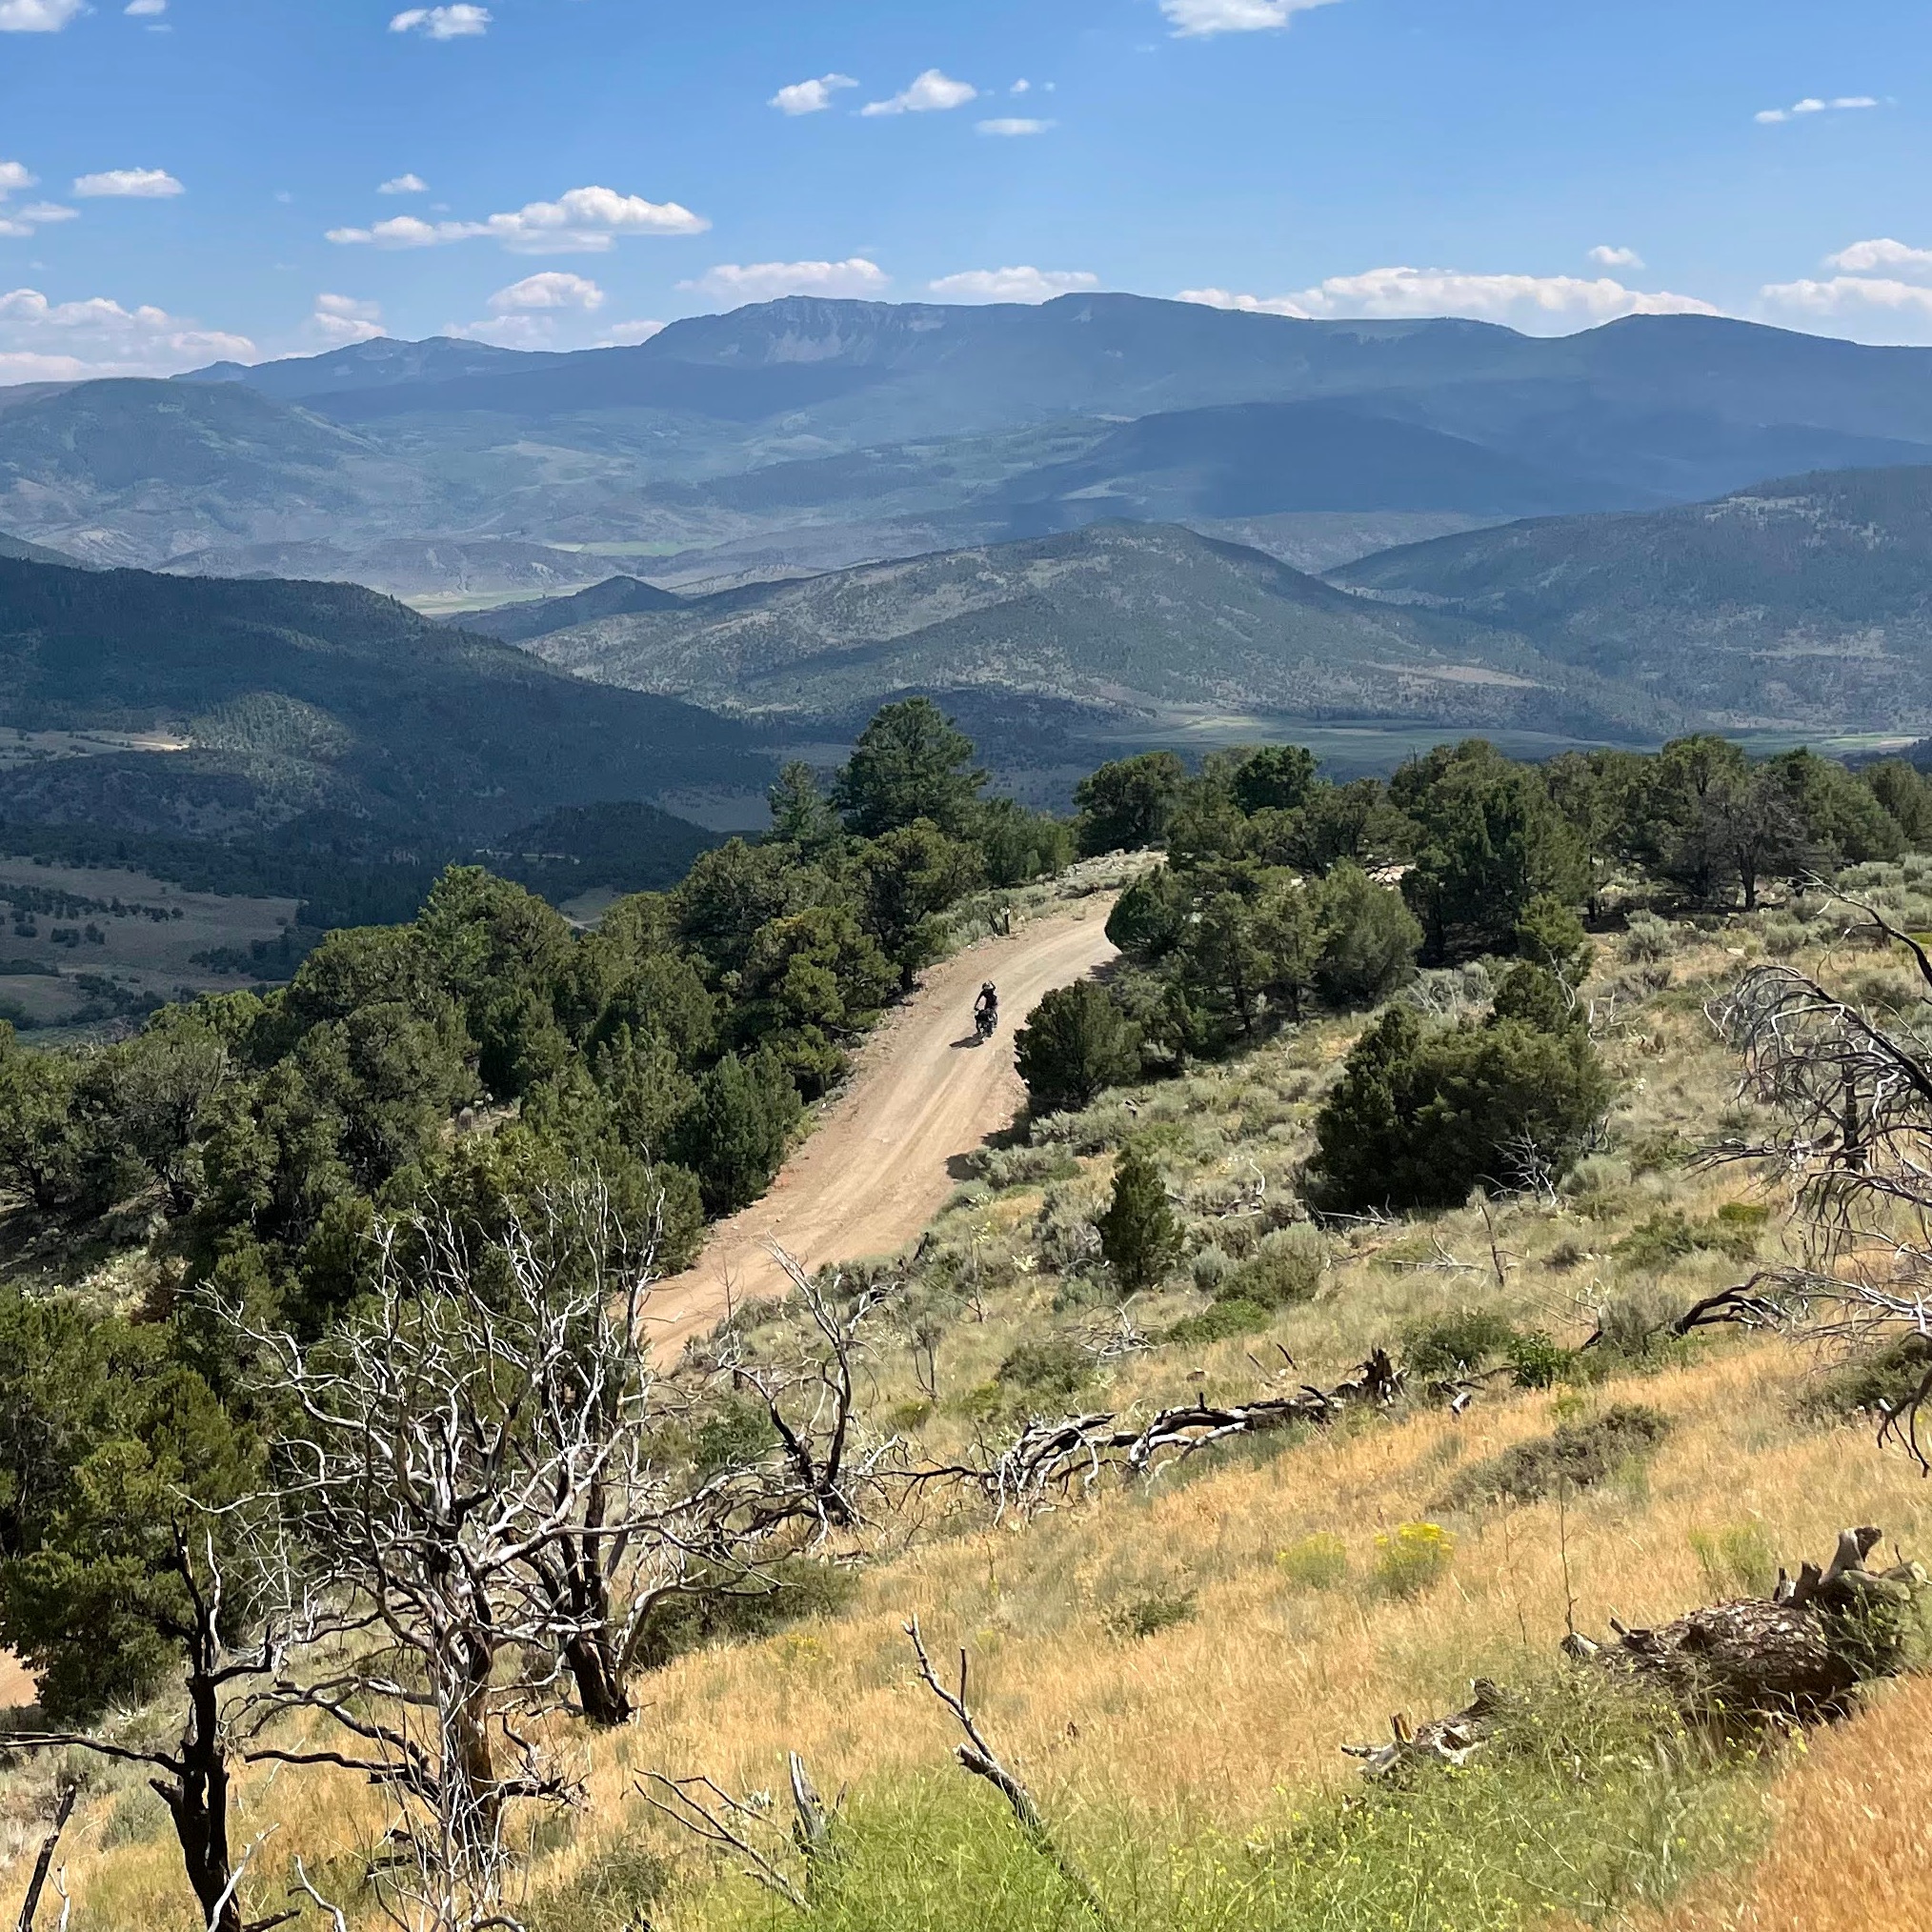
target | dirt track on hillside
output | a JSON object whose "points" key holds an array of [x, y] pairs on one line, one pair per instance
{"points": [[875, 1169]]}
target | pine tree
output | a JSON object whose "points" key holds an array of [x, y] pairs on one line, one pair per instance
{"points": [[1138, 1232]]}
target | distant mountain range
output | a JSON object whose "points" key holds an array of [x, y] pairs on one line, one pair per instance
{"points": [[805, 434], [1103, 506], [619, 597], [1803, 605], [32, 553]]}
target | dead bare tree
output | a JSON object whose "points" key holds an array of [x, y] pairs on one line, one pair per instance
{"points": [[640, 1528], [43, 1865], [485, 1492], [191, 1777], [830, 1481], [1851, 1094], [423, 1482]]}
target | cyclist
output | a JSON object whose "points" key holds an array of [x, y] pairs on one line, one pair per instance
{"points": [[986, 1010]]}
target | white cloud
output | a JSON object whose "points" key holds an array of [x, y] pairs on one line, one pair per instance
{"points": [[585, 221], [130, 183], [553, 289], [145, 10], [1846, 294], [1862, 257], [1022, 87], [36, 16], [1013, 285], [1013, 127], [1882, 292], [531, 313], [932, 94], [405, 184], [628, 334], [46, 341], [1811, 104], [14, 175], [811, 96], [342, 319], [1607, 257], [408, 232], [23, 221], [767, 281], [1877, 309], [1538, 304], [1196, 19], [443, 23], [508, 331]]}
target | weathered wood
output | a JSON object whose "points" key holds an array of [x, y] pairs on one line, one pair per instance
{"points": [[44, 1863], [1051, 1458], [1450, 1741], [1799, 1654], [979, 1758]]}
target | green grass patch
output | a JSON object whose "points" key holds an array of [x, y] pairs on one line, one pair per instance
{"points": [[1316, 1562], [1586, 1802], [1457, 1344]]}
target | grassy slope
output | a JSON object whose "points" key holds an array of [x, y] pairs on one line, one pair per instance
{"points": [[1179, 1763]]}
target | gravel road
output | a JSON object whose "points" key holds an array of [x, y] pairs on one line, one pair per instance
{"points": [[875, 1170]]}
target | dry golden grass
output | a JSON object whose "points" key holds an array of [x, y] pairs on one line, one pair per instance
{"points": [[1225, 1719], [1851, 1849], [1257, 1690], [1222, 1719]]}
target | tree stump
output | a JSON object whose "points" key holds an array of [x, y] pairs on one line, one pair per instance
{"points": [[1799, 1654]]}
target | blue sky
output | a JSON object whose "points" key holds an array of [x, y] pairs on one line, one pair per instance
{"points": [[189, 178]]}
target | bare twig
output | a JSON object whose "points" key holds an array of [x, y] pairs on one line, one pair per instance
{"points": [[979, 1758], [708, 1811], [336, 1917]]}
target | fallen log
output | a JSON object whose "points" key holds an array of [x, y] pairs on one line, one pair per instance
{"points": [[1451, 1740], [1051, 1458]]}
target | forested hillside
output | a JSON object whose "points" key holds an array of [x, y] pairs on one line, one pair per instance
{"points": [[313, 725], [1135, 619]]}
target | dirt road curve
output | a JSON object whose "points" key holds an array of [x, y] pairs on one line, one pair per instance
{"points": [[17, 1689], [874, 1171]]}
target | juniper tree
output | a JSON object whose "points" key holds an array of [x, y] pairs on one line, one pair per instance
{"points": [[1140, 1235]]}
